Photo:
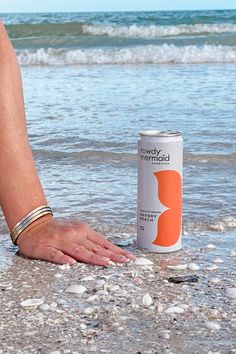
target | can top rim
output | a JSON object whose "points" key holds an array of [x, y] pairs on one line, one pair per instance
{"points": [[168, 133]]}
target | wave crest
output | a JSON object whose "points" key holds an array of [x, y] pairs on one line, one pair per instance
{"points": [[165, 54], [153, 31]]}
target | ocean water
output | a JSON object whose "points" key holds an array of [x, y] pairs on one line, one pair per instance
{"points": [[92, 81]]}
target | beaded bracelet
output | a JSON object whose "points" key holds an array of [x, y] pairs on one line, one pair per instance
{"points": [[28, 220]]}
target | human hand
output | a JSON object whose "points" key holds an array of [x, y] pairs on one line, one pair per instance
{"points": [[68, 241]]}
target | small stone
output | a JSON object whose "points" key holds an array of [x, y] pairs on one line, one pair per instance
{"points": [[115, 288], [177, 266], [83, 326], [76, 289], [142, 261], [147, 300], [92, 298], [88, 311], [231, 293], [58, 275], [102, 293], [174, 309], [32, 302], [193, 266], [213, 326]]}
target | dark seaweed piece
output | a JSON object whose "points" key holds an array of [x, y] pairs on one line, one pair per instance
{"points": [[184, 279]]}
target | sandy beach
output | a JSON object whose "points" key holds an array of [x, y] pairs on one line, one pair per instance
{"points": [[132, 308]]}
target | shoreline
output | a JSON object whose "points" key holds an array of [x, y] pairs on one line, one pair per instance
{"points": [[114, 313]]}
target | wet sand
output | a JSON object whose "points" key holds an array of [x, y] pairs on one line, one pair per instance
{"points": [[122, 308]]}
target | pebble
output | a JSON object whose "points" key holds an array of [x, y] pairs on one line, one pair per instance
{"points": [[58, 275], [231, 293], [213, 326], [147, 300], [193, 266], [143, 261], [76, 289], [174, 309], [177, 266], [183, 279], [32, 302]]}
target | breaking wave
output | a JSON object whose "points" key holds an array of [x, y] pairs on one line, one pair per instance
{"points": [[150, 54], [137, 31]]}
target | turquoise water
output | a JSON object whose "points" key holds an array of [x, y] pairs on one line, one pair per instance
{"points": [[93, 81]]}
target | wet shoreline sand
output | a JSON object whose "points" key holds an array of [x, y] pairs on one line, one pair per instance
{"points": [[123, 308]]}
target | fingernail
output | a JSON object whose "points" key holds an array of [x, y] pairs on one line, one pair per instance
{"points": [[105, 259], [124, 259]]}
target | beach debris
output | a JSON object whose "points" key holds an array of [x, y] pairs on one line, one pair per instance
{"points": [[147, 300], [183, 279], [218, 260], [231, 293], [124, 243], [211, 267], [177, 266], [174, 309], [213, 326], [76, 289], [210, 246], [32, 302], [143, 261], [193, 266], [213, 314]]}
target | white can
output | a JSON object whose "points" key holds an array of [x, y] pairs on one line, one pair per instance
{"points": [[160, 165]]}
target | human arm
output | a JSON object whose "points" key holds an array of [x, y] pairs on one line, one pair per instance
{"points": [[21, 191]]}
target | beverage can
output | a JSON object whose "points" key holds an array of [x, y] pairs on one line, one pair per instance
{"points": [[159, 214]]}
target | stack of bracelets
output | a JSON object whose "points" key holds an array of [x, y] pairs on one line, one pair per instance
{"points": [[28, 220]]}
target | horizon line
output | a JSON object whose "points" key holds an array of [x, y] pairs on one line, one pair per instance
{"points": [[93, 11]]}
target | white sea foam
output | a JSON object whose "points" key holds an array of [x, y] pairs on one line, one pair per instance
{"points": [[164, 54], [153, 31]]}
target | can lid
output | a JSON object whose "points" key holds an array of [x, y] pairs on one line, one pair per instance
{"points": [[160, 133]]}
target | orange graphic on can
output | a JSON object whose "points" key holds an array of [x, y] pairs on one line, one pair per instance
{"points": [[160, 161]]}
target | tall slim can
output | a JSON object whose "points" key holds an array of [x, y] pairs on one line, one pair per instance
{"points": [[159, 214]]}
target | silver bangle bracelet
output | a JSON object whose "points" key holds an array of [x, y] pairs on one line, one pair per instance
{"points": [[28, 220]]}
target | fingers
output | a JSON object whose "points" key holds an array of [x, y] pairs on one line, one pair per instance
{"points": [[85, 244], [98, 239]]}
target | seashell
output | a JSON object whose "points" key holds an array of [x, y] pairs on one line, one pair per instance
{"points": [[32, 302], [58, 275], [76, 289], [184, 306], [44, 307], [124, 243], [211, 267], [88, 311], [64, 266], [92, 298], [147, 300], [142, 261], [214, 280], [193, 266], [174, 309], [102, 293], [90, 277], [177, 266], [218, 260], [83, 326], [210, 246], [231, 293], [213, 326], [115, 288]]}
